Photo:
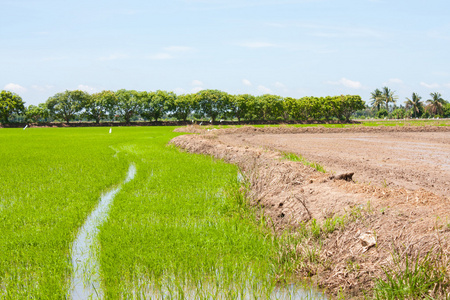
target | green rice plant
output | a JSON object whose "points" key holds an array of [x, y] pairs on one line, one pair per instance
{"points": [[184, 223], [299, 158], [50, 181], [181, 228]]}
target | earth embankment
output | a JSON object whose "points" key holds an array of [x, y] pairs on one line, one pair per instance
{"points": [[398, 203]]}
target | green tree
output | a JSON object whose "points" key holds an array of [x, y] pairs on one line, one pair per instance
{"points": [[398, 113], [271, 107], [377, 99], [37, 113], [10, 103], [253, 108], [155, 105], [67, 105], [310, 108], [98, 105], [447, 110], [240, 105], [128, 104], [436, 104], [414, 104], [348, 105], [212, 104], [388, 97], [330, 107], [382, 113], [292, 107], [182, 107]]}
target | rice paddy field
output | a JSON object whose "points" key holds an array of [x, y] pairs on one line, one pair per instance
{"points": [[181, 228]]}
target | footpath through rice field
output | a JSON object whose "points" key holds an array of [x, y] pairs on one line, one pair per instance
{"points": [[367, 207]]}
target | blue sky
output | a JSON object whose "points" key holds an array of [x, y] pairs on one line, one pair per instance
{"points": [[290, 48]]}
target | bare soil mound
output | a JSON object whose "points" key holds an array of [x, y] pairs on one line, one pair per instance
{"points": [[380, 219]]}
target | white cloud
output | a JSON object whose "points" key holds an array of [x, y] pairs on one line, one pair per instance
{"points": [[430, 86], [264, 90], [16, 88], [441, 73], [246, 82], [256, 45], [276, 25], [347, 83], [178, 49], [113, 57], [87, 88], [179, 91], [197, 82], [279, 85], [438, 35], [160, 56], [447, 85], [395, 80], [196, 89], [53, 58], [42, 88]]}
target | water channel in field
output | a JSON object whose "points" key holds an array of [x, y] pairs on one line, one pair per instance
{"points": [[85, 283]]}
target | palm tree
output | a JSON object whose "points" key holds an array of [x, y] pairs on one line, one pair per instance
{"points": [[436, 104], [388, 96], [377, 99], [414, 103]]}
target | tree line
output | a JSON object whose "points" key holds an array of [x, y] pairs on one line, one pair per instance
{"points": [[384, 105], [127, 105]]}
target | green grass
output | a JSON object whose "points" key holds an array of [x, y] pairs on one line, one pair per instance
{"points": [[181, 227], [407, 122], [415, 278], [369, 122], [299, 158]]}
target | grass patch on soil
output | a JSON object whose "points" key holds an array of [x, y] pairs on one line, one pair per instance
{"points": [[415, 278], [299, 158], [407, 122]]}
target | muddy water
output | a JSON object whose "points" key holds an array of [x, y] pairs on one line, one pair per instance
{"points": [[86, 280]]}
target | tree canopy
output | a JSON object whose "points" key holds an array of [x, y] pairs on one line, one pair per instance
{"points": [[10, 103], [128, 105], [66, 105]]}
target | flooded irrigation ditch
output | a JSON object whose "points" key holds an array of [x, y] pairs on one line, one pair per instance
{"points": [[85, 283]]}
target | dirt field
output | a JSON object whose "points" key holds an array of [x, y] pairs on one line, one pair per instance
{"points": [[399, 203], [397, 159]]}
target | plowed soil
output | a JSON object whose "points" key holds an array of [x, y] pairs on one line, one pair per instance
{"points": [[398, 203], [411, 160]]}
